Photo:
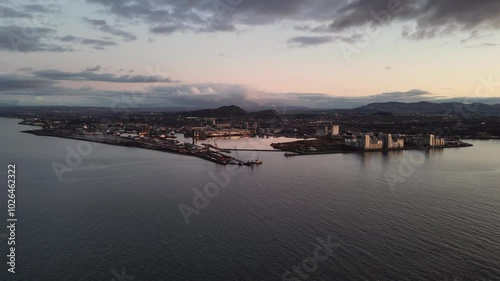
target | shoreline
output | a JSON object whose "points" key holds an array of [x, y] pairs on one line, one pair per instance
{"points": [[302, 153], [297, 148], [220, 158], [214, 157]]}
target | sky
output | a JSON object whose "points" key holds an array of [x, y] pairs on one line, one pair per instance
{"points": [[209, 53]]}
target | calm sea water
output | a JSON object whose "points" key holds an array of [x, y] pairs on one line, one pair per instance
{"points": [[116, 214]]}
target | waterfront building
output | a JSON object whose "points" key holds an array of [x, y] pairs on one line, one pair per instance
{"points": [[430, 140], [335, 130], [390, 143]]}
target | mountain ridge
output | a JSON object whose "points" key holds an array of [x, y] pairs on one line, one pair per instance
{"points": [[429, 108]]}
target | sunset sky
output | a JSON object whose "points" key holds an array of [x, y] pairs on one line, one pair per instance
{"points": [[206, 53]]}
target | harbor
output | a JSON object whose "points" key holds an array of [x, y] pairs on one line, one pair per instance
{"points": [[204, 151]]}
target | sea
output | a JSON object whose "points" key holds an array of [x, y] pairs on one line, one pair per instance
{"points": [[90, 211]]}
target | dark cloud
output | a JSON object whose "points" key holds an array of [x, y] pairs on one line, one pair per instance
{"points": [[164, 29], [29, 11], [8, 12], [306, 41], [40, 8], [329, 101], [168, 16], [104, 27], [93, 69], [9, 82], [416, 93], [424, 18], [484, 45], [101, 77], [125, 35], [94, 22], [25, 69], [42, 91], [97, 44], [29, 39]]}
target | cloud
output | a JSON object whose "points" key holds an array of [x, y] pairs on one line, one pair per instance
{"points": [[94, 22], [164, 29], [29, 39], [93, 69], [416, 93], [104, 27], [8, 12], [43, 85], [483, 45], [207, 95], [101, 77], [169, 16], [24, 90], [424, 18], [40, 8], [10, 82], [388, 68], [97, 44], [306, 41]]}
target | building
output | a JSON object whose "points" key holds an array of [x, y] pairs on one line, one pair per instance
{"points": [[389, 142], [335, 130], [433, 141], [430, 140], [223, 125], [366, 142]]}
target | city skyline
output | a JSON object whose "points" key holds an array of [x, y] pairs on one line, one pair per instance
{"points": [[320, 54]]}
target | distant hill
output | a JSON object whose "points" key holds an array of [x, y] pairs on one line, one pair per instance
{"points": [[231, 111], [265, 114], [224, 111], [429, 108]]}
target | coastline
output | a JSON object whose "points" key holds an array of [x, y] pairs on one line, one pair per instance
{"points": [[220, 158], [298, 148]]}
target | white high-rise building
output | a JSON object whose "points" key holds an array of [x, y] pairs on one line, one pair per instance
{"points": [[389, 141], [335, 130]]}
